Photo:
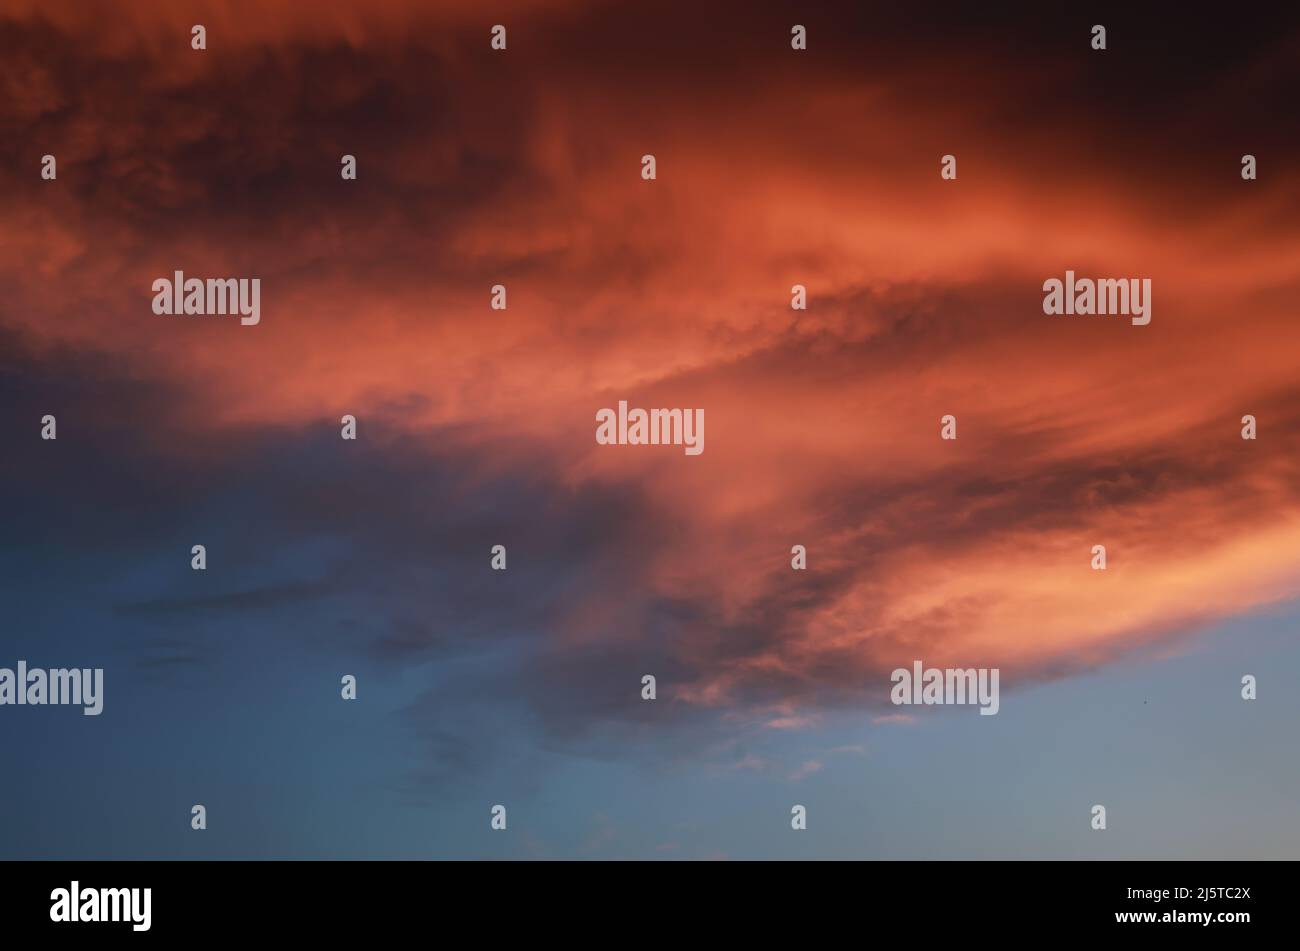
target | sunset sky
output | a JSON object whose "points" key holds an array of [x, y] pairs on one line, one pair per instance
{"points": [[476, 428]]}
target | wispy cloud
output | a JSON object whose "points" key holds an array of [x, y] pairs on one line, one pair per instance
{"points": [[477, 426]]}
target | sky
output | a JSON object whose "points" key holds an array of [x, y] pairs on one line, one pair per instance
{"points": [[774, 167]]}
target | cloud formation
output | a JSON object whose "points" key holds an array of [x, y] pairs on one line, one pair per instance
{"points": [[775, 168]]}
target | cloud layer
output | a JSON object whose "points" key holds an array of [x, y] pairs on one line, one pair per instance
{"points": [[775, 168]]}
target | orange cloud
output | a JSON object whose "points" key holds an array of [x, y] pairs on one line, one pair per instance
{"points": [[822, 426]]}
